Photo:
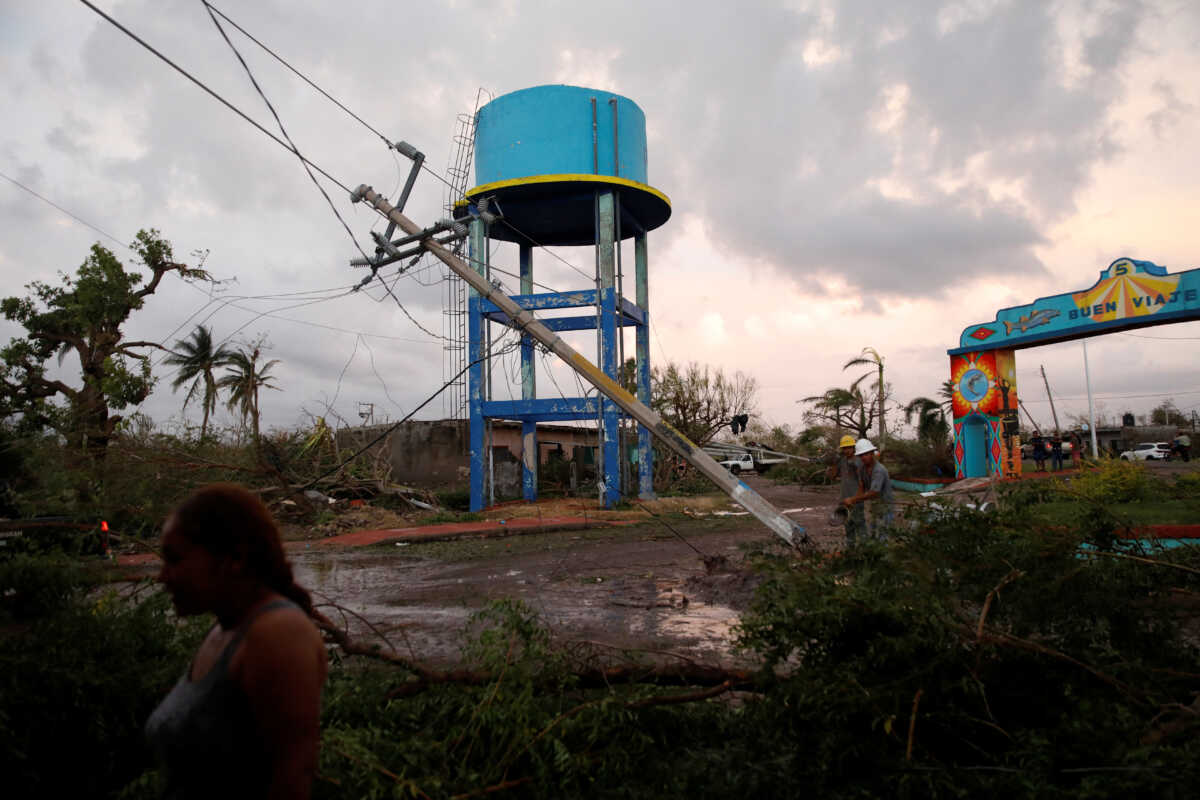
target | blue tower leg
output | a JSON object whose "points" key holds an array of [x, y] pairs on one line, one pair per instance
{"points": [[476, 350], [611, 414], [529, 445], [475, 403], [645, 441]]}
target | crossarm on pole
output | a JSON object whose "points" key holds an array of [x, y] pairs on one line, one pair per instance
{"points": [[525, 321]]}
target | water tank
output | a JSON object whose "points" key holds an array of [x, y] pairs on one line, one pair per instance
{"points": [[543, 152]]}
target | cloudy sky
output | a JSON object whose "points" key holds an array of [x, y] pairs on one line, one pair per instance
{"points": [[842, 174]]}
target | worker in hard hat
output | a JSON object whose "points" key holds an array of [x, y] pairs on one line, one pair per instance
{"points": [[875, 486], [844, 465]]}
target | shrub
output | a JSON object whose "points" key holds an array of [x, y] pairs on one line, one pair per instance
{"points": [[80, 672], [1115, 481], [913, 459]]}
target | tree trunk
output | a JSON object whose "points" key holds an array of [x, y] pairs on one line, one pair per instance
{"points": [[254, 414], [882, 429]]}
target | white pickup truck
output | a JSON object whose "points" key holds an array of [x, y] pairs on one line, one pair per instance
{"points": [[754, 458], [738, 464]]}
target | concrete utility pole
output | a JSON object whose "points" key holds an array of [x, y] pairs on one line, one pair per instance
{"points": [[1053, 413], [525, 322]]}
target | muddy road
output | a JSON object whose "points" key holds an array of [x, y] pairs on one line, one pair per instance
{"points": [[640, 587]]}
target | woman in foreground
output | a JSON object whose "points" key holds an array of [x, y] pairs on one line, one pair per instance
{"points": [[243, 720]]}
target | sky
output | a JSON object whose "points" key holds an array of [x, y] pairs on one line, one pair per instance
{"points": [[842, 175]]}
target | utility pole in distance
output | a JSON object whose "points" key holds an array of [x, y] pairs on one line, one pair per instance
{"points": [[1052, 411]]}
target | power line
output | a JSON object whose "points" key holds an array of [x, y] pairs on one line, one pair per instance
{"points": [[382, 382], [298, 73], [282, 129], [338, 390], [230, 300], [1163, 338], [546, 249], [215, 96], [327, 95], [49, 202], [1113, 396], [407, 416]]}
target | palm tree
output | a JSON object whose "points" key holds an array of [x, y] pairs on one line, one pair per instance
{"points": [[197, 359], [946, 392], [870, 357], [840, 406], [931, 420], [244, 379]]}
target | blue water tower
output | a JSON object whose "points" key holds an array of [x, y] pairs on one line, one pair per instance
{"points": [[562, 166]]}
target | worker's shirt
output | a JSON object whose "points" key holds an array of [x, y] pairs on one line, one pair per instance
{"points": [[883, 506], [849, 469]]}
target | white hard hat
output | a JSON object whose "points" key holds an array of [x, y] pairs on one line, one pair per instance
{"points": [[863, 446]]}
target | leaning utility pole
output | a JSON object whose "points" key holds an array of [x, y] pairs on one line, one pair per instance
{"points": [[1052, 411], [1032, 421], [525, 322]]}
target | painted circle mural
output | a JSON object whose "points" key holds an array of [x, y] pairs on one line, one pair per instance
{"points": [[974, 385]]}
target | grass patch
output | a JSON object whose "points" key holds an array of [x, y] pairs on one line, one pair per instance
{"points": [[1160, 512]]}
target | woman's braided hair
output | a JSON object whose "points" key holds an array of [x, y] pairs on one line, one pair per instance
{"points": [[228, 520]]}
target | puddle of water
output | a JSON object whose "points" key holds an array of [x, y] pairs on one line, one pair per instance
{"points": [[701, 627], [423, 606]]}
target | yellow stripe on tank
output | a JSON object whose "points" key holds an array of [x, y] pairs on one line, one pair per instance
{"points": [[567, 178]]}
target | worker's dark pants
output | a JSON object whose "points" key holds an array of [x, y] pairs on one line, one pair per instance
{"points": [[1056, 460]]}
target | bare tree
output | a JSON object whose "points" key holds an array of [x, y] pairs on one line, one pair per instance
{"points": [[699, 400]]}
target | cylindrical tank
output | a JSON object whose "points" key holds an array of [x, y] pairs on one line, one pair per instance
{"points": [[542, 153]]}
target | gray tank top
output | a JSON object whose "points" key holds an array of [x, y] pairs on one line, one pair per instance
{"points": [[203, 733]]}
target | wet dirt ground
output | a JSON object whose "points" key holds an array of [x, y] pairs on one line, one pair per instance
{"points": [[638, 588]]}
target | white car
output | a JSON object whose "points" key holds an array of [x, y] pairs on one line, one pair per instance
{"points": [[1148, 451]]}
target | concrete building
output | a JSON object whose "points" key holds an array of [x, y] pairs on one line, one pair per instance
{"points": [[436, 453]]}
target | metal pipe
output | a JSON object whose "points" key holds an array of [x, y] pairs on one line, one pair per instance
{"points": [[766, 513], [1087, 377], [612, 101], [418, 159], [595, 141]]}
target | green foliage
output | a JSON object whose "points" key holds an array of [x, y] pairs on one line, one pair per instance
{"points": [[197, 359], [1187, 485], [915, 458], [38, 585], [1028, 659], [441, 517], [83, 315], [243, 380], [454, 499], [1056, 693], [1115, 481], [798, 472], [80, 670]]}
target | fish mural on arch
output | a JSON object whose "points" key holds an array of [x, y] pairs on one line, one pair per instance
{"points": [[984, 406]]}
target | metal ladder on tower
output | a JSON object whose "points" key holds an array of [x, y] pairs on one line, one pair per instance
{"points": [[454, 309]]}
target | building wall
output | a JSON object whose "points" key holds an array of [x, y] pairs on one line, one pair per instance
{"points": [[435, 453]]}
